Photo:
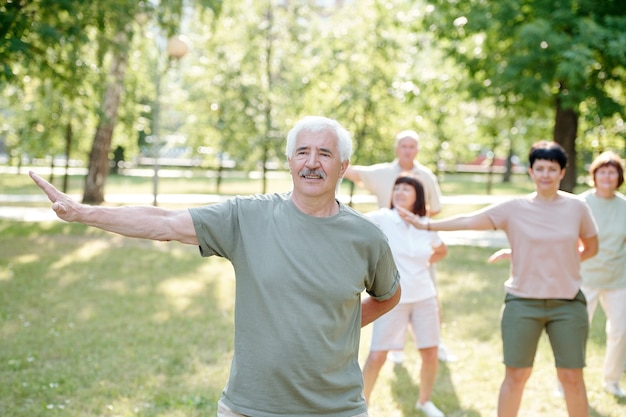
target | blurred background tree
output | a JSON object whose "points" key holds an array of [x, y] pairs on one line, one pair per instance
{"points": [[475, 79], [569, 56]]}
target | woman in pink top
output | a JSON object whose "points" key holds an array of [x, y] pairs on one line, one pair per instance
{"points": [[550, 233]]}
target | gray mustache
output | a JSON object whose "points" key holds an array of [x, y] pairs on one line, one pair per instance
{"points": [[317, 172]]}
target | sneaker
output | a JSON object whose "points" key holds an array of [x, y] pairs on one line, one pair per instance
{"points": [[558, 391], [396, 356], [614, 389], [429, 409], [444, 355]]}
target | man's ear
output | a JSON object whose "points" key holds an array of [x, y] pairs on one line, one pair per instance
{"points": [[344, 168]]}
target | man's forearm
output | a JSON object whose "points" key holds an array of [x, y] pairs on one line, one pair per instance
{"points": [[371, 309]]}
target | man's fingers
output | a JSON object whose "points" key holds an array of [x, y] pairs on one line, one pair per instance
{"points": [[59, 208], [48, 188]]}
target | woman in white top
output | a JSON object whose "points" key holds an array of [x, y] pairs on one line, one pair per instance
{"points": [[414, 251], [604, 276]]}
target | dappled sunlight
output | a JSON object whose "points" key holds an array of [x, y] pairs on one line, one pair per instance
{"points": [[9, 328], [87, 313], [146, 329], [223, 282], [117, 287], [6, 274], [87, 251], [187, 293], [26, 258], [180, 292], [212, 374]]}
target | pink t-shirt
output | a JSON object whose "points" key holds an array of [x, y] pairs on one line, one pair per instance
{"points": [[544, 241]]}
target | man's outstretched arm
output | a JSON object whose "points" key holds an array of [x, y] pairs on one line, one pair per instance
{"points": [[140, 222]]}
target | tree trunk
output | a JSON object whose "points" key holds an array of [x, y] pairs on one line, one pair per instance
{"points": [[99, 155], [69, 135], [565, 129], [508, 171]]}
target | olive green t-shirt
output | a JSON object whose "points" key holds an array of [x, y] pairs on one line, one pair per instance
{"points": [[299, 281]]}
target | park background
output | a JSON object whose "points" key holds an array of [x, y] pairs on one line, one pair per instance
{"points": [[94, 324], [107, 99]]}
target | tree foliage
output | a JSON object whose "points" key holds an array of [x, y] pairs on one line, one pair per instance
{"points": [[526, 54], [468, 76]]}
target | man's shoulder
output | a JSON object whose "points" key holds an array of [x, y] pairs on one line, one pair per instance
{"points": [[420, 168], [245, 202], [275, 198], [366, 221]]}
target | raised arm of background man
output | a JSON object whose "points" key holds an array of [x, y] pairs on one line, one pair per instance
{"points": [[140, 222]]}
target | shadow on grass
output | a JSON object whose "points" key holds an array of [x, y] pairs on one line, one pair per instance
{"points": [[405, 393], [93, 323], [472, 292]]}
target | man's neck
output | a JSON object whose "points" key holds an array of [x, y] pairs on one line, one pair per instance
{"points": [[316, 206], [406, 165]]}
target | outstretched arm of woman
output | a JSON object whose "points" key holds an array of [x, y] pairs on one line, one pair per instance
{"points": [[477, 220]]}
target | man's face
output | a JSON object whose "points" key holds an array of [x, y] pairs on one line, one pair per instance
{"points": [[406, 149], [316, 164]]}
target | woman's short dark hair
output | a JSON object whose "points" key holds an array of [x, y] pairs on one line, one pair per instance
{"points": [[549, 151], [607, 158], [419, 207]]}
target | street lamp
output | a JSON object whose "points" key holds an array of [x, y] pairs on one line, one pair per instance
{"points": [[177, 47]]}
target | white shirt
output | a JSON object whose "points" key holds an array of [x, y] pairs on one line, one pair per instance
{"points": [[379, 180], [412, 249]]}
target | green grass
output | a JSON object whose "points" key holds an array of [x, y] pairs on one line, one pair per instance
{"points": [[197, 182], [93, 324]]}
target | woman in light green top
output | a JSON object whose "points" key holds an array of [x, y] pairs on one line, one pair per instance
{"points": [[604, 276]]}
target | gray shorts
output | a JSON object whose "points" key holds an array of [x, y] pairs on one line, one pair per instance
{"points": [[565, 322]]}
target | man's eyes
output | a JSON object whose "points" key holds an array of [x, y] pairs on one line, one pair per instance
{"points": [[324, 154]]}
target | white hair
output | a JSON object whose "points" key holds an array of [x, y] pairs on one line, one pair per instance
{"points": [[318, 124], [408, 134]]}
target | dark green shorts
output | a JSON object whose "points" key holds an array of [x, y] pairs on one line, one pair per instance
{"points": [[565, 322]]}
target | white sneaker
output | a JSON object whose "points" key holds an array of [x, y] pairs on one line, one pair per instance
{"points": [[444, 355], [558, 391], [614, 389], [429, 409], [396, 356]]}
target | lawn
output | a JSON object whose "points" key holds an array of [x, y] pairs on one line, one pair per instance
{"points": [[93, 324], [232, 183]]}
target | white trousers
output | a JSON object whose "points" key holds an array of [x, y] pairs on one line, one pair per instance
{"points": [[613, 303]]}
